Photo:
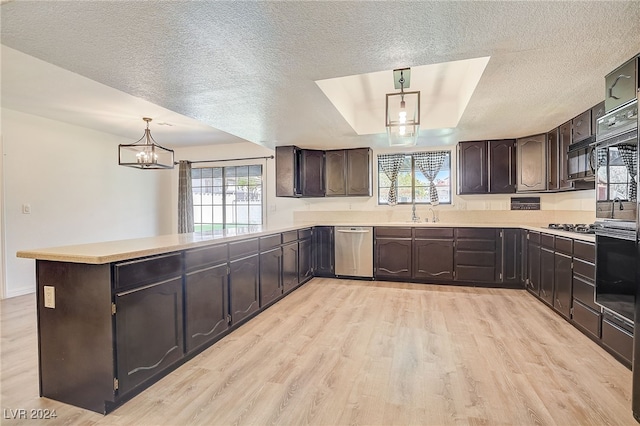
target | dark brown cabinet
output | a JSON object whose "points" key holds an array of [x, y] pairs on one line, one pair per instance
{"points": [[581, 126], [587, 315], [510, 256], [487, 167], [553, 160], [476, 255], [290, 266], [348, 172], [206, 304], [564, 140], [531, 163], [244, 287], [621, 85], [149, 331], [323, 251], [270, 276], [533, 262], [563, 276], [433, 252], [299, 172], [547, 268], [596, 112], [393, 253], [305, 261]]}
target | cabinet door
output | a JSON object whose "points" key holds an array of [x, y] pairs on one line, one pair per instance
{"points": [[270, 276], [393, 258], [149, 331], [323, 251], [547, 272], [564, 140], [510, 256], [335, 163], [596, 112], [287, 173], [562, 284], [533, 268], [244, 288], [290, 266], [621, 85], [502, 166], [532, 160], [433, 259], [206, 305], [305, 264], [472, 168], [553, 166], [581, 126], [359, 172], [312, 176]]}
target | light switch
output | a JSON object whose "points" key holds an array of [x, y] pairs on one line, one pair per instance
{"points": [[49, 296]]}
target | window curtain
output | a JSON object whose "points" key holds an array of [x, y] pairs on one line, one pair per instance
{"points": [[430, 164], [185, 198], [628, 154], [391, 165]]}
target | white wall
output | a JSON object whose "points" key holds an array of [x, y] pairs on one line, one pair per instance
{"points": [[77, 192]]}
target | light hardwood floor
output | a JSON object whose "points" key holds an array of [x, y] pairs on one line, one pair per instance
{"points": [[356, 352]]}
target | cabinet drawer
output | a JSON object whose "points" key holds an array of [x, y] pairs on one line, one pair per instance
{"points": [[304, 233], [475, 258], [393, 232], [289, 236], [476, 245], [546, 240], [584, 250], [475, 273], [564, 245], [199, 257], [534, 237], [617, 339], [587, 318], [434, 233], [476, 233], [243, 248], [584, 269], [584, 292], [142, 271], [270, 241]]}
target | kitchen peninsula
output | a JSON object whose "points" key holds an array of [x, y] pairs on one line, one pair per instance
{"points": [[115, 317]]}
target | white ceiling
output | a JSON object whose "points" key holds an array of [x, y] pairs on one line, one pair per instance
{"points": [[249, 69]]}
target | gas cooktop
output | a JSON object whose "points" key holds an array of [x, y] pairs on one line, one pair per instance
{"points": [[580, 228]]}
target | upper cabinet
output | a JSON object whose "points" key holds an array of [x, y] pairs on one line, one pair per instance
{"points": [[581, 126], [348, 172], [621, 85], [531, 163], [564, 140], [299, 172], [318, 173], [486, 167]]}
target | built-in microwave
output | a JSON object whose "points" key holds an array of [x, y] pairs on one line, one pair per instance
{"points": [[581, 162]]}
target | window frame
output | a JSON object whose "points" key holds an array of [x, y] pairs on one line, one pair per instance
{"points": [[413, 171]]}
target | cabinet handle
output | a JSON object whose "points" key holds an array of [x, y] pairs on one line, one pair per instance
{"points": [[611, 95]]}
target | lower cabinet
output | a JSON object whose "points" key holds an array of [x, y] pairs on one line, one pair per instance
{"points": [[206, 305], [149, 334], [244, 289], [270, 276], [475, 255], [562, 284], [289, 266], [617, 335], [323, 251], [433, 252], [547, 272], [305, 263], [393, 253], [510, 256], [533, 263]]}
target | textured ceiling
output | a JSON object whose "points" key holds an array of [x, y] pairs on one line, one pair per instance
{"points": [[249, 68]]}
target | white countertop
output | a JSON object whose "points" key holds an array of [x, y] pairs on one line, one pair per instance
{"points": [[115, 251]]}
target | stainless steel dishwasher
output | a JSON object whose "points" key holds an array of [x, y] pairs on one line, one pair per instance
{"points": [[354, 251]]}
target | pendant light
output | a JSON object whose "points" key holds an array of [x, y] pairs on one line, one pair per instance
{"points": [[402, 111], [145, 153]]}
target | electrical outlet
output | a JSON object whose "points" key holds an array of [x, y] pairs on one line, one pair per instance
{"points": [[49, 296], [26, 209]]}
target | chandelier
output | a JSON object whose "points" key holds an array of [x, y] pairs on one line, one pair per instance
{"points": [[145, 153], [402, 111]]}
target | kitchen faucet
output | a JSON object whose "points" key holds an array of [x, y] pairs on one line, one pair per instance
{"points": [[414, 217], [613, 205], [434, 219]]}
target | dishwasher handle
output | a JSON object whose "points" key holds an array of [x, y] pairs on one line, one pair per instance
{"points": [[353, 231]]}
